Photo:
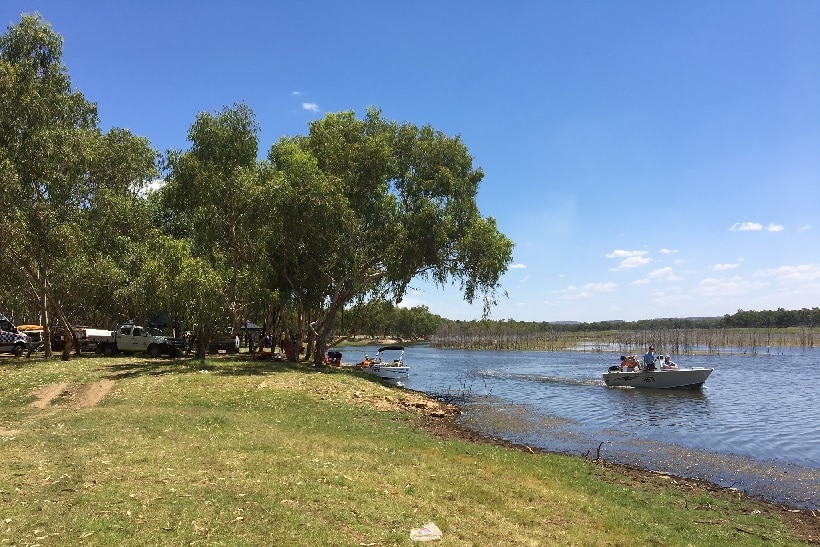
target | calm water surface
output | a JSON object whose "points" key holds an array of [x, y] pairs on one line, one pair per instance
{"points": [[754, 426]]}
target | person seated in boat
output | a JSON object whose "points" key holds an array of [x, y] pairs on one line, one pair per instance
{"points": [[629, 363], [649, 359], [668, 365], [366, 362]]}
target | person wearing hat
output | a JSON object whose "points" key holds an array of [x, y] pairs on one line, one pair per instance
{"points": [[649, 359]]}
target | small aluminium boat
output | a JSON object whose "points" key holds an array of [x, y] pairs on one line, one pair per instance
{"points": [[386, 368], [681, 378]]}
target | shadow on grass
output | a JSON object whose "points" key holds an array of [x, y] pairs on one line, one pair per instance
{"points": [[226, 366], [123, 367]]}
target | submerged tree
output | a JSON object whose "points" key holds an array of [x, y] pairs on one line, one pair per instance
{"points": [[369, 205]]}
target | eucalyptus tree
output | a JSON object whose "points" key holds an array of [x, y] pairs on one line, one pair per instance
{"points": [[45, 128], [299, 234], [211, 197], [372, 204], [118, 235], [56, 165]]}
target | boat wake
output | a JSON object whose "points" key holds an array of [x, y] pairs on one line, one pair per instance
{"points": [[539, 378]]}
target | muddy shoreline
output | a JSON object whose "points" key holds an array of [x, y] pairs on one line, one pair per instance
{"points": [[442, 419]]}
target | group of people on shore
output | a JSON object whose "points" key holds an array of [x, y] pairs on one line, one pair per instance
{"points": [[651, 362]]}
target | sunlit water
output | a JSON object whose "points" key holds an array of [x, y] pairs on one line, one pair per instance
{"points": [[754, 426]]}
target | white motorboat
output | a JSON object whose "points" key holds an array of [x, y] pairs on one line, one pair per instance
{"points": [[680, 378], [389, 369]]}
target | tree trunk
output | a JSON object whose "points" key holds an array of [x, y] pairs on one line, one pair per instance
{"points": [[69, 340]]}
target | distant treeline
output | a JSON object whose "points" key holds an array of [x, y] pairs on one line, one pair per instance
{"points": [[743, 332]]}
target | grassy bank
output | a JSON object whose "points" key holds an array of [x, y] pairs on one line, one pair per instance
{"points": [[231, 452]]}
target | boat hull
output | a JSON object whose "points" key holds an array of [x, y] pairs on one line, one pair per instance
{"points": [[389, 372], [692, 378]]}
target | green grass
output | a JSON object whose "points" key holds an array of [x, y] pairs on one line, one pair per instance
{"points": [[232, 452]]}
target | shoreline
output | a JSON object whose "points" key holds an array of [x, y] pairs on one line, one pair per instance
{"points": [[440, 419]]}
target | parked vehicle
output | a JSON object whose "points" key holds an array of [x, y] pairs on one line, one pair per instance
{"points": [[58, 337], [130, 338], [172, 341], [35, 335], [11, 339], [223, 343]]}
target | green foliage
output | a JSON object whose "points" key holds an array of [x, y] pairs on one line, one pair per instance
{"points": [[351, 212], [773, 318], [63, 180], [372, 204], [380, 319]]}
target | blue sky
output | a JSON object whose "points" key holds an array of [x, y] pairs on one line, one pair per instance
{"points": [[648, 159]]}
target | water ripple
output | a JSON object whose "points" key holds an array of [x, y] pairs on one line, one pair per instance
{"points": [[752, 426]]}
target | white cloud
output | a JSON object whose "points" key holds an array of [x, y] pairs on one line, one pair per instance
{"points": [[518, 266], [600, 287], [665, 274], [632, 262], [620, 253], [668, 251], [746, 227], [643, 281], [774, 228], [589, 290], [152, 186], [805, 228], [297, 93], [632, 259], [724, 267], [721, 286], [411, 299], [312, 107], [802, 273]]}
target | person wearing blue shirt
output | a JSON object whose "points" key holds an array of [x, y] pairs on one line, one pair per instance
{"points": [[649, 359], [668, 364]]}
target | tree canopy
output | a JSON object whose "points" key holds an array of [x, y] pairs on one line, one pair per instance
{"points": [[351, 212], [61, 175], [373, 204]]}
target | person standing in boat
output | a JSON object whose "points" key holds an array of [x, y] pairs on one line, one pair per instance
{"points": [[668, 365], [649, 359]]}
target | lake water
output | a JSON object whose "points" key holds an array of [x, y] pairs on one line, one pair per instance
{"points": [[754, 426]]}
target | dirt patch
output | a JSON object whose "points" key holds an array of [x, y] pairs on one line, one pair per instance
{"points": [[87, 395], [45, 395], [426, 407], [80, 396]]}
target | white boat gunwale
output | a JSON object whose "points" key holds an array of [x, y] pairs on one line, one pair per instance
{"points": [[683, 378]]}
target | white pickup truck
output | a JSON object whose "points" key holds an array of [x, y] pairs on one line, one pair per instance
{"points": [[130, 339]]}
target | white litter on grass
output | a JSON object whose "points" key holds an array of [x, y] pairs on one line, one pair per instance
{"points": [[428, 532]]}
